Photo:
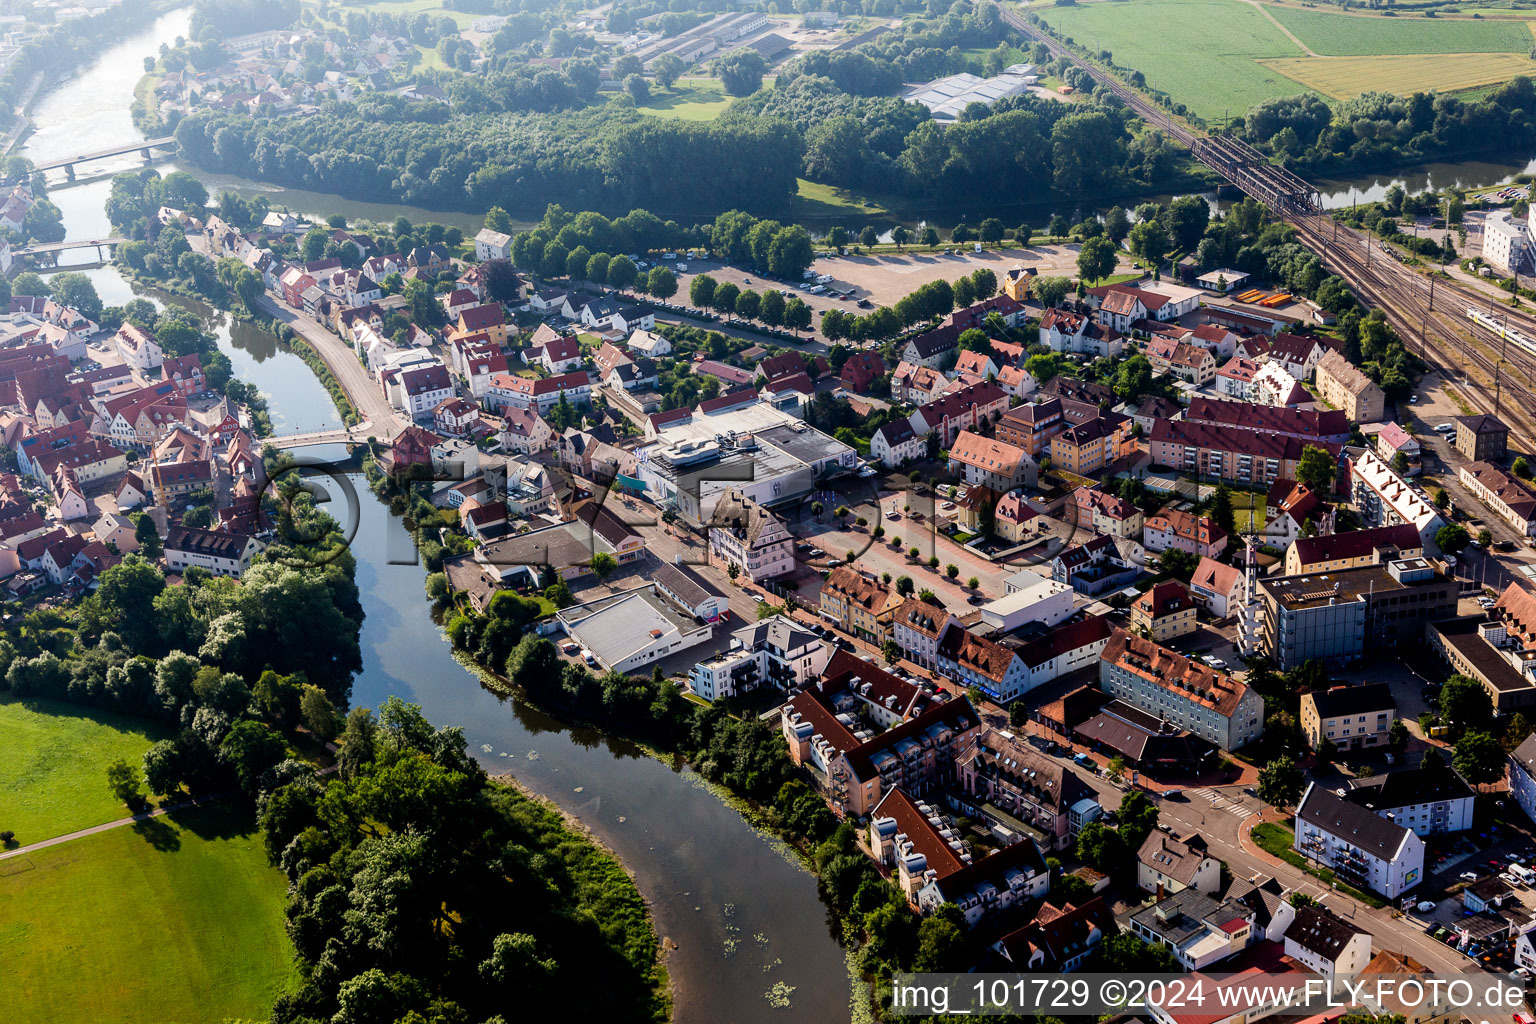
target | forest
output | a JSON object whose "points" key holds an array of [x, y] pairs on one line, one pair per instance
{"points": [[1381, 130]]}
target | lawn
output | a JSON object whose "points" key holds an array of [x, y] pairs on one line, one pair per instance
{"points": [[178, 920], [690, 99], [1249, 508], [816, 200], [1344, 35], [1346, 77], [1278, 841], [1204, 53], [54, 772]]}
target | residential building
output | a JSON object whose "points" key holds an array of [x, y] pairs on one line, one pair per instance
{"points": [[859, 603], [1482, 438], [492, 245], [1507, 496], [1000, 778], [1362, 849], [854, 767], [917, 628], [540, 394], [1104, 513], [1079, 334], [1351, 611], [1198, 930], [1220, 589], [524, 431], [1374, 546], [1273, 385], [953, 412], [1165, 612], [1097, 565], [1392, 440], [1350, 717], [1227, 453], [1031, 426], [1059, 939], [972, 660], [861, 370], [896, 443], [1067, 648], [1506, 243], [1345, 386], [751, 537], [995, 464], [138, 348], [991, 886], [931, 349], [1184, 531], [1014, 520], [916, 842], [1431, 801], [1234, 378], [777, 651], [1187, 694], [1384, 498], [1191, 363], [1084, 449], [223, 554], [1308, 425], [1325, 943], [1166, 864], [1299, 353], [688, 590], [1522, 776], [917, 384]]}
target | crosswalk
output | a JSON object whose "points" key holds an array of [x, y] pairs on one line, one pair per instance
{"points": [[1221, 803]]}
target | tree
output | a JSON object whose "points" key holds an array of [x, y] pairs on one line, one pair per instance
{"points": [[869, 236], [1516, 730], [904, 586], [1116, 224], [667, 68], [1317, 469], [76, 291], [991, 230], [748, 304], [638, 89], [1440, 498], [1452, 539], [1522, 467], [1221, 509], [952, 570], [1097, 258], [1103, 849], [1484, 538], [318, 713], [1281, 782], [1138, 817], [973, 583], [1050, 290], [931, 237], [891, 650], [701, 291], [124, 780], [741, 73], [661, 282], [1149, 241], [603, 565], [900, 235], [1478, 758], [1400, 463], [770, 310], [1116, 767], [1127, 954], [1464, 704], [147, 536], [621, 272], [251, 749], [797, 315]]}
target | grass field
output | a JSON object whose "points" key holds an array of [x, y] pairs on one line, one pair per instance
{"points": [[1343, 35], [54, 772], [1204, 53], [690, 99], [181, 922], [1345, 77], [816, 200]]}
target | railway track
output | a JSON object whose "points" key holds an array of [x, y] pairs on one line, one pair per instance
{"points": [[1506, 385]]}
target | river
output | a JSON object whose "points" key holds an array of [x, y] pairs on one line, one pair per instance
{"points": [[742, 910]]}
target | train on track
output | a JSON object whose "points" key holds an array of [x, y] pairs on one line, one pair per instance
{"points": [[1501, 329]]}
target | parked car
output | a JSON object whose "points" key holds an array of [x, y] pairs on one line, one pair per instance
{"points": [[1425, 906], [1468, 876]]}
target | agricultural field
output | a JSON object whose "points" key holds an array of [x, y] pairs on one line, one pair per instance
{"points": [[1346, 35], [1344, 77], [54, 772], [1204, 53], [174, 921], [1219, 57]]}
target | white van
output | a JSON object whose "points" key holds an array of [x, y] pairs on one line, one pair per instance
{"points": [[1522, 872]]}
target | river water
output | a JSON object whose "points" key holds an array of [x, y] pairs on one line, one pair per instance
{"points": [[742, 911]]}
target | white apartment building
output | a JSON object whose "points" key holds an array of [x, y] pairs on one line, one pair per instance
{"points": [[777, 651], [1505, 242], [1384, 498], [747, 535], [1362, 848]]}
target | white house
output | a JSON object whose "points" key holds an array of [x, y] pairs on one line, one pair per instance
{"points": [[138, 348], [1364, 849], [223, 554], [492, 245], [1168, 865], [1325, 943]]}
